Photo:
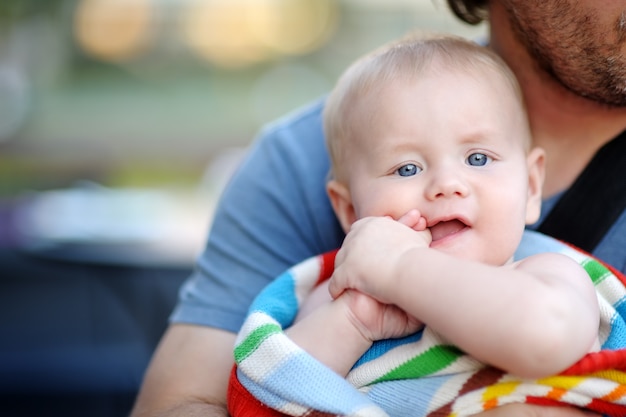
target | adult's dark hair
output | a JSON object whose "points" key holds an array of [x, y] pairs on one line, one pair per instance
{"points": [[470, 11]]}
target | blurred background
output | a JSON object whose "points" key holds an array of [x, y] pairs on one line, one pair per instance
{"points": [[120, 122]]}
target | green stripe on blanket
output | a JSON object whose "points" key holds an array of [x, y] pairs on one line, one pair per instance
{"points": [[428, 363], [254, 340], [597, 272]]}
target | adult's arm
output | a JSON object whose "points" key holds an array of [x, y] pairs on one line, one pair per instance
{"points": [[187, 374], [273, 214], [531, 410]]}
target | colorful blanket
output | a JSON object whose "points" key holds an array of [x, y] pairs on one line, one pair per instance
{"points": [[419, 375]]}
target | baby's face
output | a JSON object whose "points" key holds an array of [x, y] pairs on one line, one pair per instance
{"points": [[452, 145]]}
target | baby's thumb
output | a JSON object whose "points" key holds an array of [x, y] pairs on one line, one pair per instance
{"points": [[334, 288]]}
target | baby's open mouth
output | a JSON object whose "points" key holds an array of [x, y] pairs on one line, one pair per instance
{"points": [[446, 228]]}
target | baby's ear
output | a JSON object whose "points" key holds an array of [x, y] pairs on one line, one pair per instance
{"points": [[342, 203], [536, 161]]}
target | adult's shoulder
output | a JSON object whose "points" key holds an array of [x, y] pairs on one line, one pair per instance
{"points": [[294, 141], [289, 156], [302, 118]]}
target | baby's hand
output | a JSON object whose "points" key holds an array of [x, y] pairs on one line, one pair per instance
{"points": [[375, 320], [371, 250]]}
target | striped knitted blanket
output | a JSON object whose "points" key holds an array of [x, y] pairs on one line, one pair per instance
{"points": [[419, 375]]}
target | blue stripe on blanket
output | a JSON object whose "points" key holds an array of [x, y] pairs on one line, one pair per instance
{"points": [[617, 336], [618, 326], [279, 299], [398, 398], [381, 347]]}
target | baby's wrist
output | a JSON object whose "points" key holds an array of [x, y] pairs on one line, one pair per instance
{"points": [[353, 327], [361, 312]]}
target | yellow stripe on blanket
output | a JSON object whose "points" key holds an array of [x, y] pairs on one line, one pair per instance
{"points": [[494, 392]]}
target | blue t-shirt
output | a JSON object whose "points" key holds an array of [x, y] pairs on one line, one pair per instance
{"points": [[275, 213]]}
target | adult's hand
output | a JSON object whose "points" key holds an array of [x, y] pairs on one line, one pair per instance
{"points": [[531, 410], [188, 374]]}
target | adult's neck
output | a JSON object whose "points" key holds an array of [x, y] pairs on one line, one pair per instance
{"points": [[569, 127]]}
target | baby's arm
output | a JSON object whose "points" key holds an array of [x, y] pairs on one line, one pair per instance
{"points": [[533, 319], [552, 322]]}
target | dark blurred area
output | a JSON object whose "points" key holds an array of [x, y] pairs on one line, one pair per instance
{"points": [[120, 122]]}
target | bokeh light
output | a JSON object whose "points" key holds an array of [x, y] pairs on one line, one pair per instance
{"points": [[114, 30], [295, 27], [220, 32], [236, 33]]}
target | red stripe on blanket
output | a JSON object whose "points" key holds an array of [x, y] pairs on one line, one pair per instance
{"points": [[598, 361], [243, 404], [598, 406], [328, 266], [606, 408], [546, 402], [595, 405]]}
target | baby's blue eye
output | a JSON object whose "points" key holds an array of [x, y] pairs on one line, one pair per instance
{"points": [[408, 170], [478, 159]]}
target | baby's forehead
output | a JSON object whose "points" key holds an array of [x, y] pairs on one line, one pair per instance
{"points": [[471, 105], [485, 85], [480, 72]]}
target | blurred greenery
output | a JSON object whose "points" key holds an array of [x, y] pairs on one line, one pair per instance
{"points": [[12, 11], [161, 116]]}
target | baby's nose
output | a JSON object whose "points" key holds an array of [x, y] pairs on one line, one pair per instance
{"points": [[446, 184]]}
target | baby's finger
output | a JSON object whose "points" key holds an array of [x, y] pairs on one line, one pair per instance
{"points": [[413, 219]]}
